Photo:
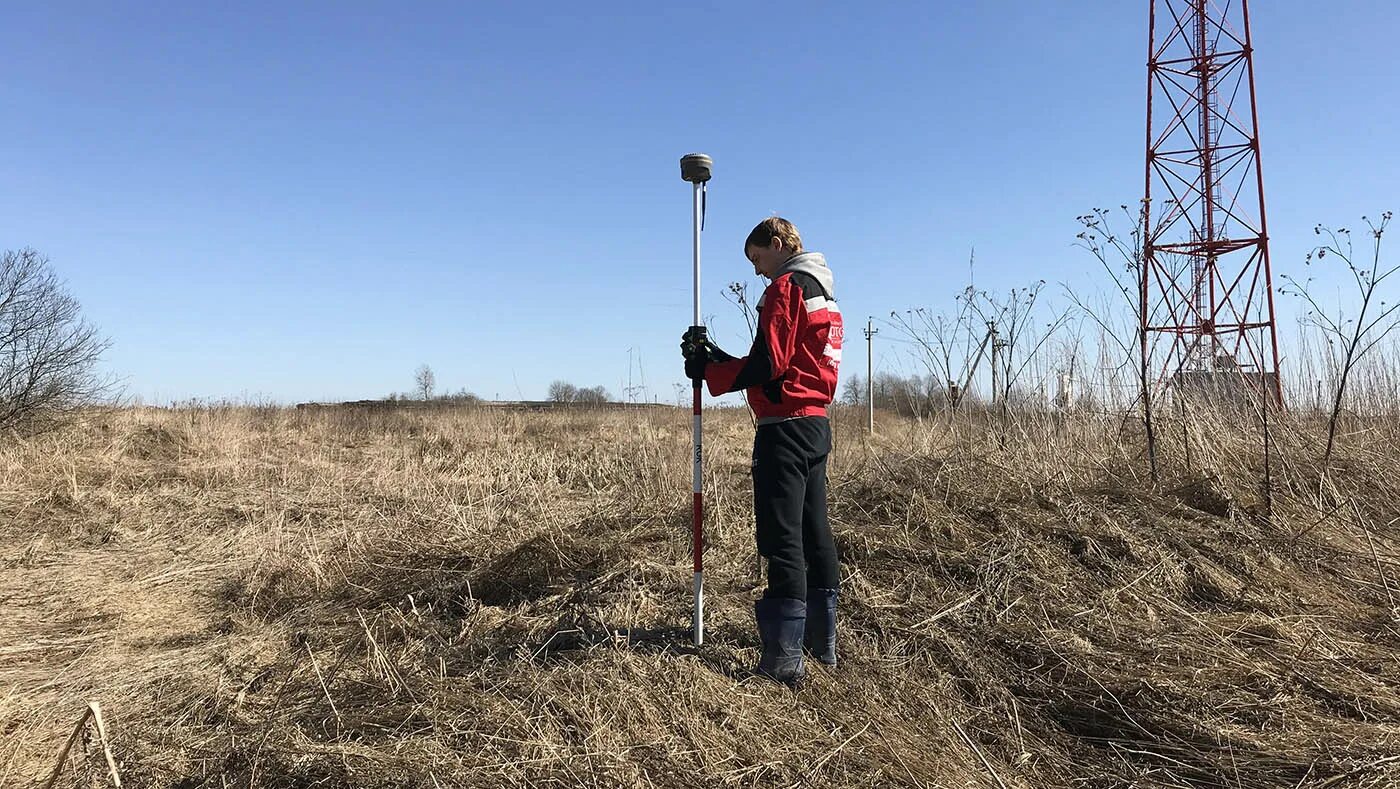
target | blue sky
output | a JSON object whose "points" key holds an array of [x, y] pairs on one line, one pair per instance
{"points": [[306, 201]]}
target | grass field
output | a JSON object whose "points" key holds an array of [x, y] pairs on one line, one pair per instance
{"points": [[264, 597]]}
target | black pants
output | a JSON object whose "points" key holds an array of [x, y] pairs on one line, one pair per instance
{"points": [[789, 503]]}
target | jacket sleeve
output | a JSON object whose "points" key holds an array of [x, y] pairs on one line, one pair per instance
{"points": [[773, 347]]}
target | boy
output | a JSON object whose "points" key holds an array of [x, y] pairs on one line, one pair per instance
{"points": [[789, 377]]}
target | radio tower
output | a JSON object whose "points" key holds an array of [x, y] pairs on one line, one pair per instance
{"points": [[1207, 297]]}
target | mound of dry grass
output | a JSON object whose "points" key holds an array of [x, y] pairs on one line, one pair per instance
{"points": [[456, 598]]}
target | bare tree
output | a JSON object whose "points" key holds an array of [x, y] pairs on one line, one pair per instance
{"points": [[562, 392], [424, 382], [854, 391], [1374, 321], [47, 352], [943, 341], [1018, 336], [595, 395]]}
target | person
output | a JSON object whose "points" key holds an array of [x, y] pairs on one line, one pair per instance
{"points": [[789, 377]]}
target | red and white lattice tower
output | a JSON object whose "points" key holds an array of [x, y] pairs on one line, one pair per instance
{"points": [[1207, 298]]}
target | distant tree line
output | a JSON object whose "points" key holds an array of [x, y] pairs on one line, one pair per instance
{"points": [[912, 395], [565, 392], [460, 397], [425, 391]]}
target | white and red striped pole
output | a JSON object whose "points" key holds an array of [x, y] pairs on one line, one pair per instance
{"points": [[695, 168]]}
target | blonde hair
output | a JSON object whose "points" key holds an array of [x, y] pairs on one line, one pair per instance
{"points": [[774, 227]]}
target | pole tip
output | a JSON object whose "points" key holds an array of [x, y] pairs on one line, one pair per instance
{"points": [[695, 168]]}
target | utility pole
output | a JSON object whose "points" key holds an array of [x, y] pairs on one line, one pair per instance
{"points": [[638, 392], [996, 361], [870, 332], [629, 375]]}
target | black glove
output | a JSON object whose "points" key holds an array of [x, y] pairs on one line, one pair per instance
{"points": [[699, 351], [695, 350], [695, 368]]}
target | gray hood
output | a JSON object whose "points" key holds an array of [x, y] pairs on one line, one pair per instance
{"points": [[812, 264]]}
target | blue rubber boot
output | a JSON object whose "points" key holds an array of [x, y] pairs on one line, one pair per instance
{"points": [[780, 624], [820, 636]]}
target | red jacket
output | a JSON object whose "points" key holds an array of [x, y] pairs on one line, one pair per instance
{"points": [[791, 369]]}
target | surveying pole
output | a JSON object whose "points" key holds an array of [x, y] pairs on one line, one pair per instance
{"points": [[695, 168], [870, 332]]}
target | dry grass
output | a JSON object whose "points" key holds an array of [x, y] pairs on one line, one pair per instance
{"points": [[261, 597]]}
